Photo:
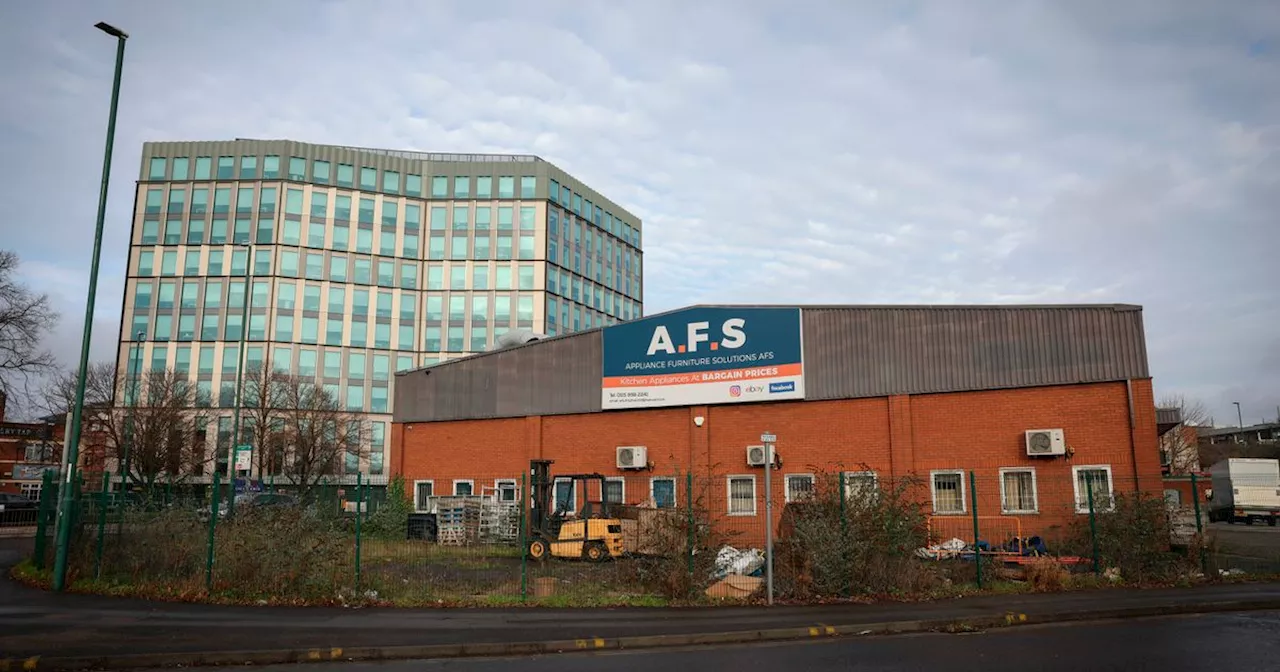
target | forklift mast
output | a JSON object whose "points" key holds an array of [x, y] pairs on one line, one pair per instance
{"points": [[542, 511], [541, 485]]}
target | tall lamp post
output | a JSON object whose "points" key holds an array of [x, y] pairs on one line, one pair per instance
{"points": [[244, 331], [1239, 417], [77, 409]]}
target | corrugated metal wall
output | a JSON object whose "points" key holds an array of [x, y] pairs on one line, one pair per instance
{"points": [[873, 352], [849, 352]]}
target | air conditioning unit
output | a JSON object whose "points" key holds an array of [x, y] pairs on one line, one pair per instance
{"points": [[1042, 442], [755, 455], [632, 457]]}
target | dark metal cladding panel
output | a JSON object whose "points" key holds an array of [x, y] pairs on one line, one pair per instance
{"points": [[876, 351], [554, 377]]}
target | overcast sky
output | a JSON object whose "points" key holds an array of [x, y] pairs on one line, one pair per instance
{"points": [[840, 152]]}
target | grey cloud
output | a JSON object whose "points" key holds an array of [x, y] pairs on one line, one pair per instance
{"points": [[821, 151]]}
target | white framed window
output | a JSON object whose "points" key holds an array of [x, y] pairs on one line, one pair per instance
{"points": [[423, 491], [1018, 490], [40, 452], [860, 485], [799, 487], [1097, 476], [742, 495], [663, 492], [30, 490], [506, 488], [615, 490], [948, 491], [566, 495], [463, 487]]}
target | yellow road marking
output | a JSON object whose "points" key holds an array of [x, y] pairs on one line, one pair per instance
{"points": [[313, 654], [813, 632], [335, 653], [599, 643]]}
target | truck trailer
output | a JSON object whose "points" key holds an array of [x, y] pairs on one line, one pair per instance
{"points": [[1245, 490]]}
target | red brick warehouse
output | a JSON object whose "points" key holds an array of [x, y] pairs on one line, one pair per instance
{"points": [[883, 391]]}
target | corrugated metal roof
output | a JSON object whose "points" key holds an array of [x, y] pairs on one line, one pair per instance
{"points": [[849, 352]]}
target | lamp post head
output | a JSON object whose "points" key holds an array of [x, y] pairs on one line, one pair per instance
{"points": [[111, 30]]}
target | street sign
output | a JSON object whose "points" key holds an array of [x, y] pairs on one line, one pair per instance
{"points": [[768, 438]]}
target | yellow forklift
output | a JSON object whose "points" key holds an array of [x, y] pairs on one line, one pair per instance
{"points": [[588, 534]]}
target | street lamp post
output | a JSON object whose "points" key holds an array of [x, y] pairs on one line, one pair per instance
{"points": [[244, 331], [1239, 417], [77, 409]]}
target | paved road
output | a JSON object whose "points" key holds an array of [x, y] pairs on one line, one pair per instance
{"points": [[1253, 548], [1244, 642]]}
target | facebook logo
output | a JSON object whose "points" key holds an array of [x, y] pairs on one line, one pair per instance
{"points": [[789, 386]]}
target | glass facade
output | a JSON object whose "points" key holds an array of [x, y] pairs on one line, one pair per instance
{"points": [[364, 262]]}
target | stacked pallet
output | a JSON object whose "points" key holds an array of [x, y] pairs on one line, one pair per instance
{"points": [[458, 520]]}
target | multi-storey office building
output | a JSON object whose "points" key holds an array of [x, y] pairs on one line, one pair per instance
{"points": [[360, 262]]}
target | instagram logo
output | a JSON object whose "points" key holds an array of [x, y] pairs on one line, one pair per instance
{"points": [[735, 390]]}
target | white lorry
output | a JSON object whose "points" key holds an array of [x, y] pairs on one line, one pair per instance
{"points": [[1245, 490]]}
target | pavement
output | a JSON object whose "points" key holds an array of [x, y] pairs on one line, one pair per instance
{"points": [[1240, 642], [46, 631]]}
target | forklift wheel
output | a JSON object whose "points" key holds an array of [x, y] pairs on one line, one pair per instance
{"points": [[596, 552], [538, 549]]}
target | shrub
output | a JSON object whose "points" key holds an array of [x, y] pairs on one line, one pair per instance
{"points": [[391, 520], [865, 545], [1045, 574], [686, 541], [1133, 535]]}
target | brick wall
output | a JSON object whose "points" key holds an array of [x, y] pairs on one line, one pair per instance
{"points": [[895, 437]]}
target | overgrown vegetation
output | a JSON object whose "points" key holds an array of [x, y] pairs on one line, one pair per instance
{"points": [[682, 545], [391, 519], [860, 543], [1132, 536]]}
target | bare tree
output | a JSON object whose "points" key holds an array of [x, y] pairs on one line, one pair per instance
{"points": [[265, 397], [161, 429], [151, 426], [317, 434], [1180, 446], [25, 319], [59, 391]]}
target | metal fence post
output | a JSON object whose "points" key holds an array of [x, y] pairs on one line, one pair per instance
{"points": [[977, 552], [47, 498], [213, 526], [359, 516], [688, 494], [102, 524], [844, 537], [1093, 525], [524, 544], [1195, 499]]}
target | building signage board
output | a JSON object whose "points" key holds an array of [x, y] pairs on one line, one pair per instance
{"points": [[32, 472], [703, 356], [10, 430]]}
